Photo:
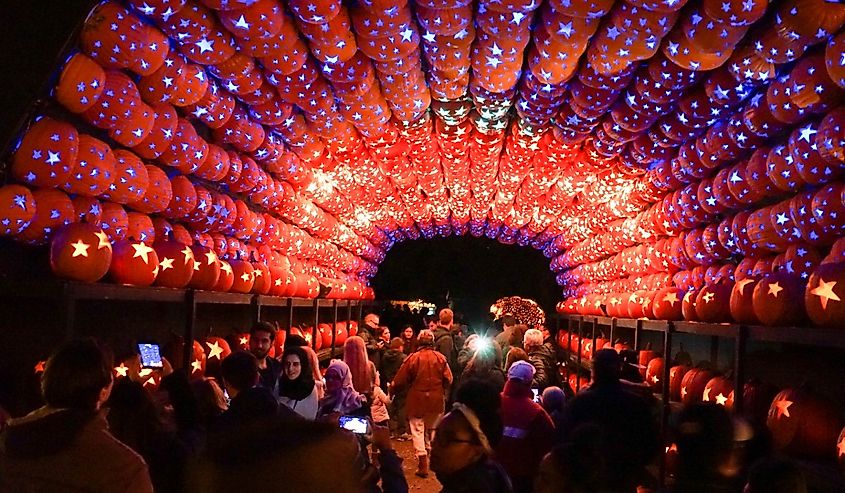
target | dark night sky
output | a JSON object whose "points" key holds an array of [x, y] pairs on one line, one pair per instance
{"points": [[475, 272]]}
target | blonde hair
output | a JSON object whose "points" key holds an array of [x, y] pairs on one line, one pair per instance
{"points": [[315, 370], [425, 337], [532, 338], [355, 356], [446, 316]]}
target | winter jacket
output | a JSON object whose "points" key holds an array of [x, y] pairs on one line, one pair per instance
{"points": [[485, 476], [390, 363], [370, 341], [307, 408], [527, 436], [630, 430], [64, 450], [544, 362], [378, 410], [427, 376]]}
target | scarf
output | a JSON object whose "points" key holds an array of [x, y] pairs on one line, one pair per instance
{"points": [[345, 399], [302, 387]]}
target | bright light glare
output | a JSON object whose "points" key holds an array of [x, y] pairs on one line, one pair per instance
{"points": [[481, 344]]}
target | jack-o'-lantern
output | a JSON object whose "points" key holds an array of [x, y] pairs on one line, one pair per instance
{"points": [[80, 252]]}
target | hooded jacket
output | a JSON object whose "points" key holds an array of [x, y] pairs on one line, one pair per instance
{"points": [[66, 450], [528, 433], [426, 375]]}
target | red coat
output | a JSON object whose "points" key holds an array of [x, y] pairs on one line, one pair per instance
{"points": [[426, 375], [528, 433]]}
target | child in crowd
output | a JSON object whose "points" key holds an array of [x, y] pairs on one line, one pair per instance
{"points": [[378, 409]]}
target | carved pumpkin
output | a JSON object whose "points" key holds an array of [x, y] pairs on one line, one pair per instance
{"points": [[80, 84], [216, 348], [654, 374], [688, 305], [719, 390], [756, 399], [176, 263], [676, 377], [17, 209], [227, 277], [80, 252], [803, 424], [174, 352], [134, 263], [825, 295], [93, 169], [778, 300], [693, 384], [243, 277], [741, 304], [46, 155], [263, 278], [667, 304], [713, 302], [53, 209], [206, 268]]}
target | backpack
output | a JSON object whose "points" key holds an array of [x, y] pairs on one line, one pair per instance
{"points": [[452, 356]]}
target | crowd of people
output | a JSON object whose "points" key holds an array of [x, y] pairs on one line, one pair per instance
{"points": [[484, 414]]}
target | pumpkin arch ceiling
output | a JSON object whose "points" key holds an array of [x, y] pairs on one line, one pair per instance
{"points": [[630, 141]]}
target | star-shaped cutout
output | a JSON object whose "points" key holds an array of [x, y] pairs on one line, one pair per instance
{"points": [[825, 291], [227, 268], [782, 406], [143, 251], [721, 399], [243, 340], [122, 370], [775, 289], [166, 263], [214, 349], [80, 249], [246, 277], [196, 365], [706, 396], [103, 240]]}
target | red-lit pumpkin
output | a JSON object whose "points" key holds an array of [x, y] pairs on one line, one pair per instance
{"points": [[53, 209], [206, 268], [80, 84], [17, 209], [226, 277], [719, 390], [693, 384], [667, 304], [804, 424], [756, 399], [676, 377], [688, 306], [134, 263], [176, 263], [174, 351], [46, 155], [741, 304], [216, 348], [825, 295], [778, 300], [81, 252], [243, 276], [713, 301], [654, 374]]}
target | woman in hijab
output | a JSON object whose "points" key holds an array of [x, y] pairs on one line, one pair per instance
{"points": [[341, 397], [297, 389]]}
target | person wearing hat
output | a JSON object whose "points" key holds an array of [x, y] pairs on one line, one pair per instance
{"points": [[628, 427], [528, 430], [368, 331]]}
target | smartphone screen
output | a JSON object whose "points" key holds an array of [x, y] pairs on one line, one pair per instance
{"points": [[150, 355], [355, 424], [536, 395]]}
